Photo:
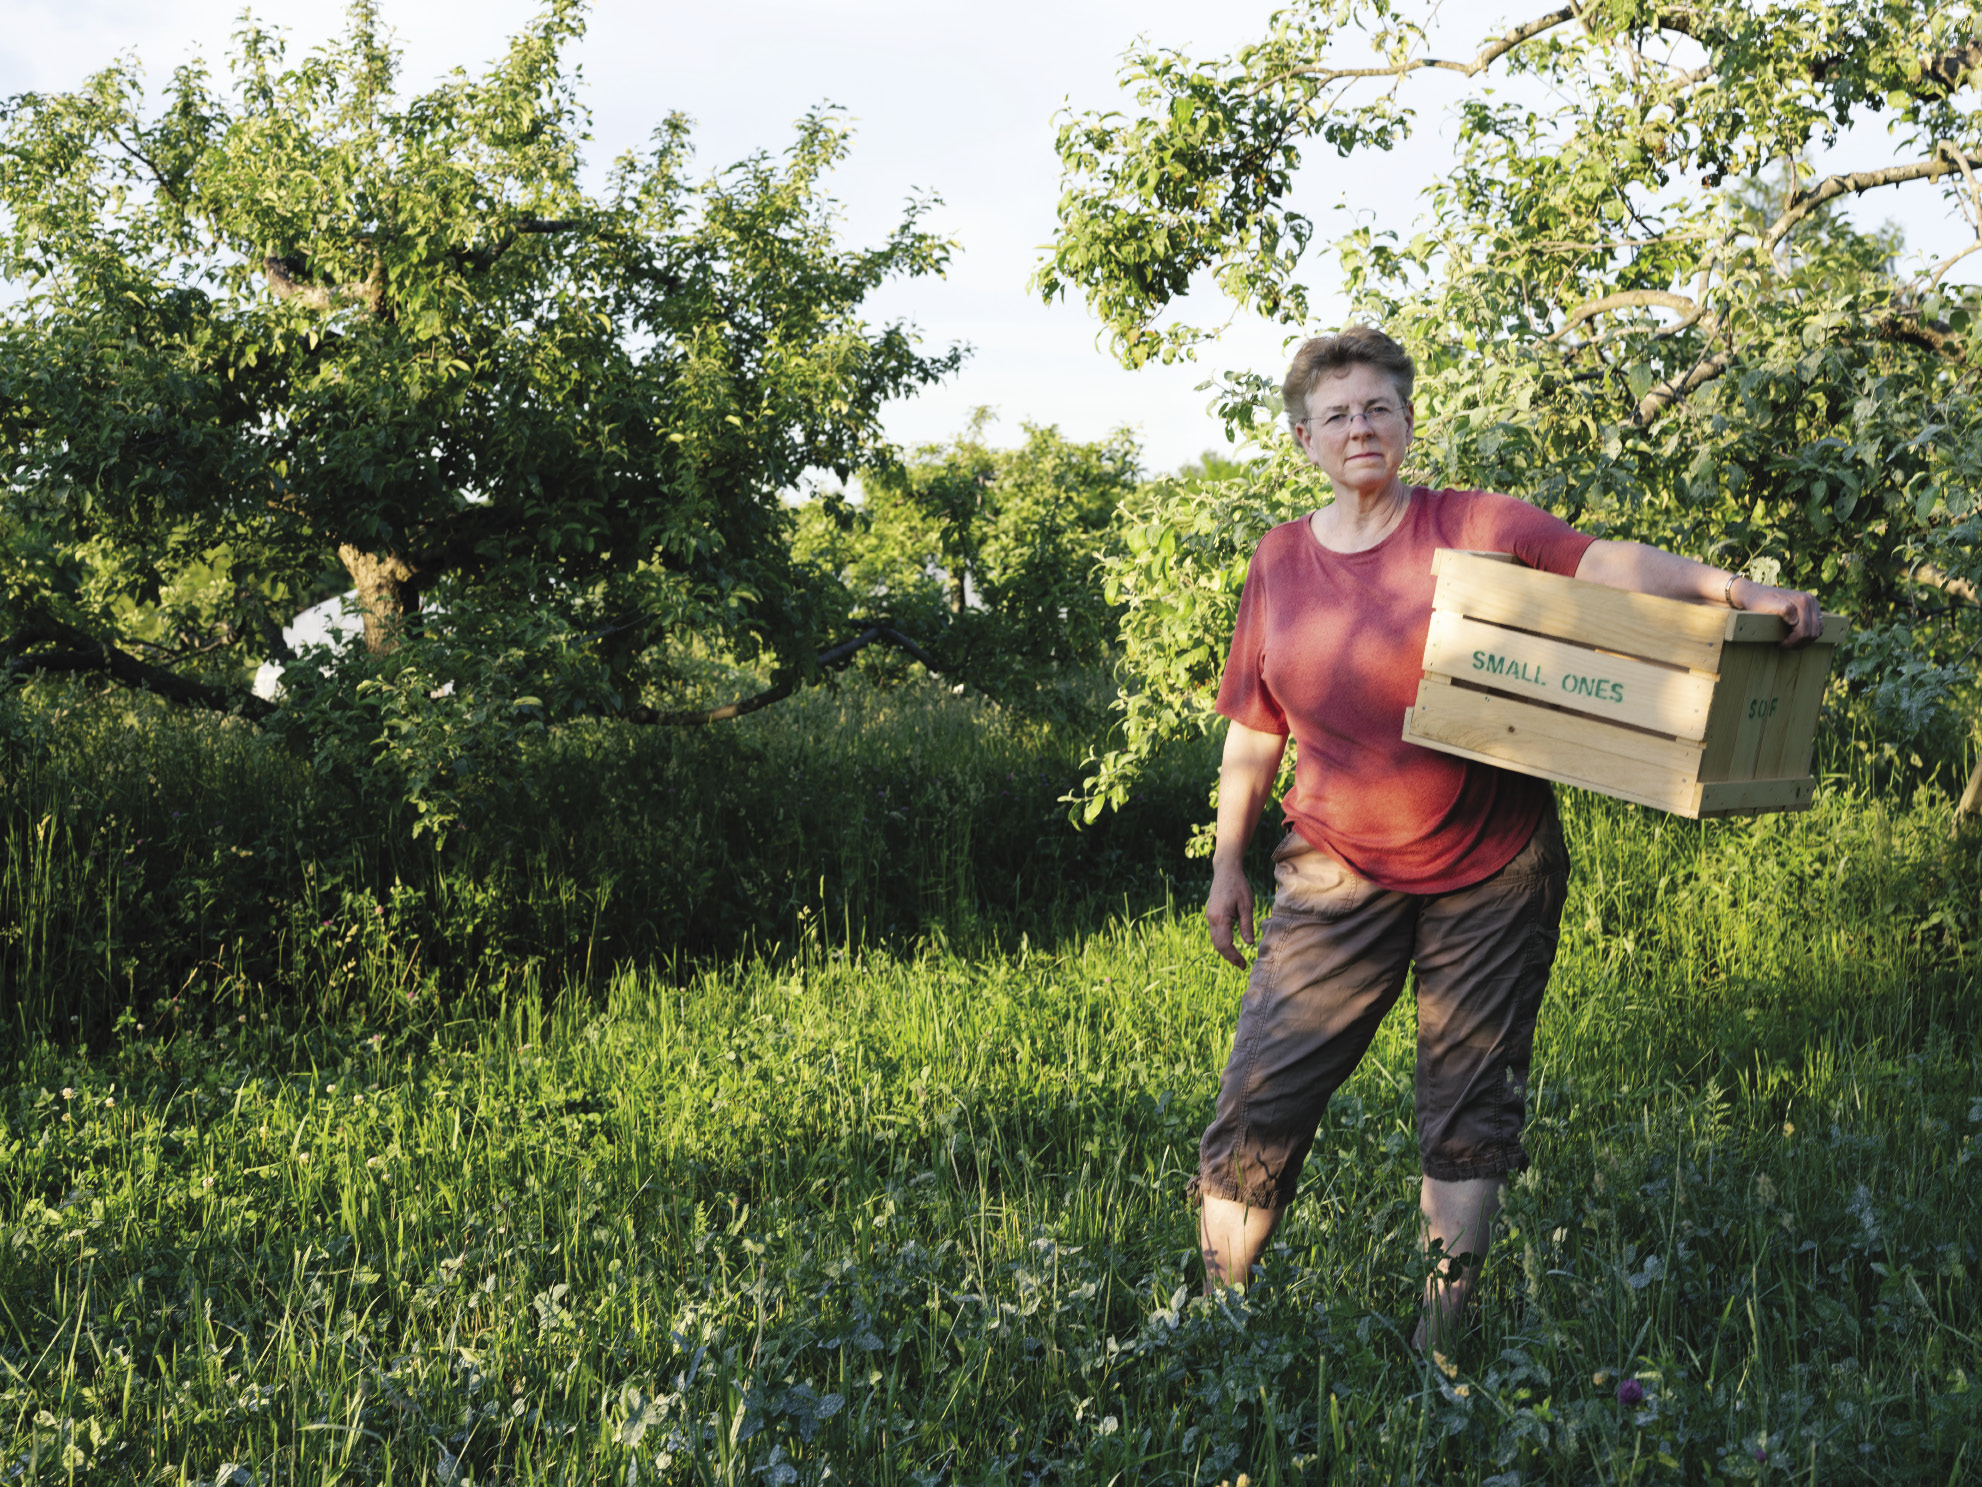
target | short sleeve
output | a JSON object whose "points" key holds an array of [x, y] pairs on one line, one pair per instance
{"points": [[1540, 539], [1242, 692]]}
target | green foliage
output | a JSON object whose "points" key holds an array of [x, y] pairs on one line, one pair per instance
{"points": [[1176, 570], [920, 1215], [1213, 466], [446, 720], [145, 851], [990, 557], [1630, 298], [305, 322]]}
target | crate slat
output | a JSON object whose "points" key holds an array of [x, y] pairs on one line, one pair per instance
{"points": [[1745, 627], [1756, 714], [1641, 694], [1724, 717], [1769, 747], [1643, 625], [1803, 702], [1531, 739], [1770, 750], [1750, 797]]}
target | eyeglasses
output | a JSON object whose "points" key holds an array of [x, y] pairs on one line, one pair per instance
{"points": [[1338, 424]]}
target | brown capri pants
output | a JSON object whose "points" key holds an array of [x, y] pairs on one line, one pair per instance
{"points": [[1332, 959]]}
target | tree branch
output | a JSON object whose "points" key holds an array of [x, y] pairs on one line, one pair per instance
{"points": [[1913, 331], [285, 286], [1940, 75], [273, 640], [1627, 299], [828, 660], [1489, 54], [1666, 394], [1940, 269], [1947, 583], [157, 175], [1951, 67], [1801, 205], [484, 258], [73, 650], [1924, 334]]}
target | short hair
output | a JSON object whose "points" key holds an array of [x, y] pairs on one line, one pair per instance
{"points": [[1353, 346]]}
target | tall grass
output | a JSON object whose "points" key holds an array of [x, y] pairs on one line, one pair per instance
{"points": [[914, 1214], [145, 854]]}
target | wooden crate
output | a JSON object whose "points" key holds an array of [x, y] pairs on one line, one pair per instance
{"points": [[1689, 707]]}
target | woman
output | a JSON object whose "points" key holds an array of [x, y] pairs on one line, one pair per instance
{"points": [[1397, 855]]}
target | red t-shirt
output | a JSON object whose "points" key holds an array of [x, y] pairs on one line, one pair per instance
{"points": [[1330, 646]]}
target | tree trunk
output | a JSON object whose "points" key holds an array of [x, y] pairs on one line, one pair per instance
{"points": [[1971, 798], [385, 594], [1957, 588]]}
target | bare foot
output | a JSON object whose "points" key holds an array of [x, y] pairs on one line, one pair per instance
{"points": [[1443, 1321]]}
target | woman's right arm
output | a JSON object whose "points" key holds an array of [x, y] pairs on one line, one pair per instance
{"points": [[1245, 779]]}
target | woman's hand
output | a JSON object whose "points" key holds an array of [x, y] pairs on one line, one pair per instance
{"points": [[1245, 779], [1793, 607], [1650, 570], [1229, 907]]}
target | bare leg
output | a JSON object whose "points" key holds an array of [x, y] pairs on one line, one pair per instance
{"points": [[1460, 1216], [1231, 1236]]}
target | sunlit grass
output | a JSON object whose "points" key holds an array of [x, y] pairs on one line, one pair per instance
{"points": [[916, 1216]]}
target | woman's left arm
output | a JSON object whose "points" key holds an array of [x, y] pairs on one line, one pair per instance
{"points": [[1649, 570]]}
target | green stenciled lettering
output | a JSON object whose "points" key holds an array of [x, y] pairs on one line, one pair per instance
{"points": [[1602, 688], [1520, 671]]}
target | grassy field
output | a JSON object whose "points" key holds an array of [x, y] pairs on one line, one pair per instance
{"points": [[914, 1216]]}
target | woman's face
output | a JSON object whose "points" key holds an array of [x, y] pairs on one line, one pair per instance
{"points": [[1357, 430]]}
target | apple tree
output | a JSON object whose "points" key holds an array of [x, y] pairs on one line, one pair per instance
{"points": [[294, 331], [1631, 295]]}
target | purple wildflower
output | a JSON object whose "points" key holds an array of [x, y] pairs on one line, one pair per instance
{"points": [[1630, 1392]]}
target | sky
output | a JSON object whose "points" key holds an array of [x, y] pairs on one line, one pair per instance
{"points": [[953, 99]]}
